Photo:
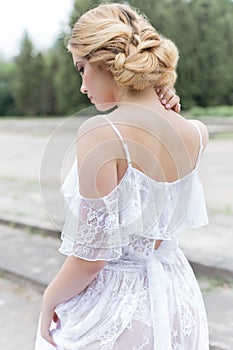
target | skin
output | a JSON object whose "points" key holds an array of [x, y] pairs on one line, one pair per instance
{"points": [[76, 274], [107, 93], [169, 99]]}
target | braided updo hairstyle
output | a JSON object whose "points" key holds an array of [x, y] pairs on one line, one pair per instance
{"points": [[123, 42]]}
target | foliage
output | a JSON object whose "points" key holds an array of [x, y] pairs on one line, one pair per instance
{"points": [[26, 84], [7, 83], [47, 84], [218, 111], [34, 86], [66, 80], [203, 32]]}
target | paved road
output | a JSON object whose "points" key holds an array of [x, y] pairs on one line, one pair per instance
{"points": [[24, 168], [22, 146], [31, 260], [19, 309], [28, 198]]}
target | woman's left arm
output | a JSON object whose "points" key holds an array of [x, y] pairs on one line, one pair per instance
{"points": [[76, 273], [74, 276]]}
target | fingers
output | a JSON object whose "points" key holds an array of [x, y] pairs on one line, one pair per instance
{"points": [[169, 98], [174, 103], [177, 108], [46, 318], [46, 335], [49, 339]]}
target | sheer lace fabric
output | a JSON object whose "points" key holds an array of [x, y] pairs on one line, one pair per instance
{"points": [[139, 207], [143, 299], [147, 304]]}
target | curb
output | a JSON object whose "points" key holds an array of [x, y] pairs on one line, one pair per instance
{"points": [[39, 286], [218, 347], [211, 271], [33, 227], [198, 268], [23, 281]]}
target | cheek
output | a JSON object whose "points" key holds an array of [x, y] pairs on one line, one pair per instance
{"points": [[86, 80], [88, 77]]}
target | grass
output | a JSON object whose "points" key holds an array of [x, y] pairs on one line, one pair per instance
{"points": [[16, 179], [210, 284], [34, 230], [23, 117], [217, 111], [223, 136], [226, 210]]}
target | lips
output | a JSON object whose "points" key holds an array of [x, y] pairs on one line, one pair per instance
{"points": [[90, 97]]}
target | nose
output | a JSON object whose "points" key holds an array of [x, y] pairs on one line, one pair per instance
{"points": [[83, 88]]}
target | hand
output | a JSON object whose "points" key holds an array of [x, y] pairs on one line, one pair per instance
{"points": [[169, 99], [47, 316]]}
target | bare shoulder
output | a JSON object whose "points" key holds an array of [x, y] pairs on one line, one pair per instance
{"points": [[96, 163], [90, 133], [90, 136], [90, 125], [203, 129]]}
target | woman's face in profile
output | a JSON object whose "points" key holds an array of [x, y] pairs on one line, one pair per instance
{"points": [[97, 83]]}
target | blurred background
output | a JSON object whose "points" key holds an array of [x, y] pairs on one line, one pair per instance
{"points": [[39, 90], [36, 72]]}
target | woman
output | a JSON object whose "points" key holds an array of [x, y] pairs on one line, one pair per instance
{"points": [[125, 283]]}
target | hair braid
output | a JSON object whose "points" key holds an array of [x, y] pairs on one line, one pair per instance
{"points": [[125, 43]]}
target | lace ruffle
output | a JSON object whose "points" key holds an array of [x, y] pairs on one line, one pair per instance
{"points": [[139, 207]]}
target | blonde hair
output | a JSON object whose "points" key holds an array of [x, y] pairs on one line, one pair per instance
{"points": [[123, 42]]}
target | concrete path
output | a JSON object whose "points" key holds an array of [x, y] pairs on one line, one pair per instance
{"points": [[19, 309], [36, 154], [34, 161], [29, 260]]}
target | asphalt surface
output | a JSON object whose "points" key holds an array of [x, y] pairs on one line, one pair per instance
{"points": [[29, 254]]}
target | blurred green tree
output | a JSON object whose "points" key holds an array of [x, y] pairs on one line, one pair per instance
{"points": [[7, 102], [26, 82], [211, 40], [34, 87], [67, 81], [202, 29]]}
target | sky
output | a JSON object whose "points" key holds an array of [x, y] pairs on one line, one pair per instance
{"points": [[42, 19]]}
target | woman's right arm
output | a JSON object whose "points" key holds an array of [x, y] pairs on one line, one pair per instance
{"points": [[169, 98]]}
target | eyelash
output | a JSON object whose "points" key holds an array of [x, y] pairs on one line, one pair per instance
{"points": [[81, 70]]}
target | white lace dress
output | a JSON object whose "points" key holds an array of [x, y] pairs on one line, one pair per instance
{"points": [[143, 299]]}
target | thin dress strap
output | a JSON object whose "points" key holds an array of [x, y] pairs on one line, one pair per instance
{"points": [[201, 144], [122, 140]]}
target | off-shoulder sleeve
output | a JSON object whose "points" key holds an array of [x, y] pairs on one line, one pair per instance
{"points": [[98, 229], [91, 229]]}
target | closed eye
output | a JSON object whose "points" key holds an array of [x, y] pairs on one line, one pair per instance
{"points": [[79, 69]]}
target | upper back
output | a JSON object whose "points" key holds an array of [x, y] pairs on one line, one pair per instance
{"points": [[163, 148]]}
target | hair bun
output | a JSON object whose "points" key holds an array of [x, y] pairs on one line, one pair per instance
{"points": [[120, 61], [125, 43]]}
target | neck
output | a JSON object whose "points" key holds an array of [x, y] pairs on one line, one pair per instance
{"points": [[146, 98]]}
